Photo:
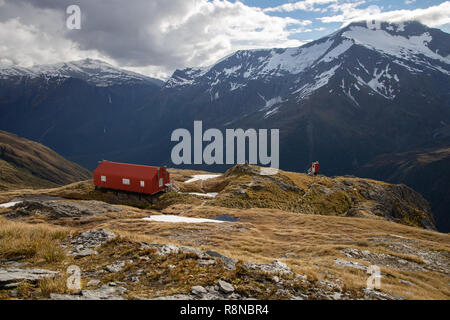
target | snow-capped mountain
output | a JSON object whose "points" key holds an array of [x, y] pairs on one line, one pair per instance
{"points": [[343, 100], [82, 108], [96, 72], [406, 48], [354, 94]]}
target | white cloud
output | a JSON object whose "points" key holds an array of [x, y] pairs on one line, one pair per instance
{"points": [[151, 36], [30, 45], [433, 16], [155, 37], [304, 5]]}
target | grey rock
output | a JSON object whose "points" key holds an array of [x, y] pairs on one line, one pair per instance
{"points": [[13, 275], [206, 262], [115, 267], [176, 297], [225, 287], [229, 263], [105, 292], [276, 267], [195, 251], [377, 295], [93, 238], [336, 296], [234, 296], [407, 282], [65, 297], [18, 258], [198, 290], [139, 272], [350, 264], [93, 283], [55, 209], [11, 285], [83, 253], [15, 264], [161, 249]]}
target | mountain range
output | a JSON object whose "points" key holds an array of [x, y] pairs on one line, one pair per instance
{"points": [[346, 100]]}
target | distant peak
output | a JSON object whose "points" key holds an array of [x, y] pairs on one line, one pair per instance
{"points": [[94, 71], [405, 27]]}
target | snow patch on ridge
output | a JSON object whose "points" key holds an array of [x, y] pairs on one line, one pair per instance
{"points": [[321, 80], [395, 45]]}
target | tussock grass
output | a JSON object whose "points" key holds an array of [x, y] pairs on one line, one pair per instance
{"points": [[32, 241], [52, 285]]}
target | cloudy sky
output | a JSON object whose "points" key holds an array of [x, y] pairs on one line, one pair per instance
{"points": [[155, 37]]}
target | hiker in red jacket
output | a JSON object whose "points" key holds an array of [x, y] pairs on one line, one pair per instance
{"points": [[316, 167], [314, 170]]}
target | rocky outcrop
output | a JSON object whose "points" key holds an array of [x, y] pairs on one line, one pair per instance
{"points": [[55, 209], [395, 202], [84, 242], [277, 267], [10, 276], [340, 196], [105, 292], [93, 238]]}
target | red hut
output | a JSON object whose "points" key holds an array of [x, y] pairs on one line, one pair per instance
{"points": [[131, 177]]}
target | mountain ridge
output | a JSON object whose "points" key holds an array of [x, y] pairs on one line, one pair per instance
{"points": [[96, 72], [25, 163], [337, 100]]}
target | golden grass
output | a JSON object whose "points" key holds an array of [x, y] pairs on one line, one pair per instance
{"points": [[52, 285], [308, 243], [32, 241], [266, 231]]}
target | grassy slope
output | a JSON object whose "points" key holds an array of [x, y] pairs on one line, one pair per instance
{"points": [[24, 163], [308, 243]]}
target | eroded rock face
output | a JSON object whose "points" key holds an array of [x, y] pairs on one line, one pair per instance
{"points": [[381, 259], [86, 241], [277, 267], [15, 275], [229, 263], [105, 292], [55, 209], [93, 238], [397, 203]]}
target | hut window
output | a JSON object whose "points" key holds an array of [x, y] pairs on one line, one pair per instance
{"points": [[142, 184], [160, 182], [103, 178], [126, 181]]}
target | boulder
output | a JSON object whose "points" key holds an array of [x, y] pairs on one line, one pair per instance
{"points": [[277, 267], [105, 292], [15, 275], [115, 267], [198, 290], [93, 238], [225, 287]]}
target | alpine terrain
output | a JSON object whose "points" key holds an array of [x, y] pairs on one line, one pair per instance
{"points": [[344, 100]]}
